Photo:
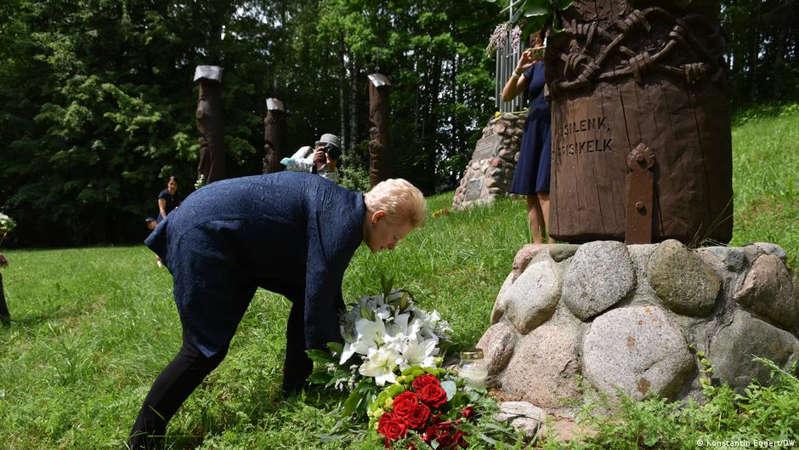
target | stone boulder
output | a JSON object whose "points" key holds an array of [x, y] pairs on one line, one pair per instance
{"points": [[684, 283], [544, 366], [733, 348], [523, 416], [497, 344], [638, 350], [532, 298], [768, 291], [600, 275]]}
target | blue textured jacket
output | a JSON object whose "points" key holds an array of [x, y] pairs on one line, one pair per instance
{"points": [[290, 233]]}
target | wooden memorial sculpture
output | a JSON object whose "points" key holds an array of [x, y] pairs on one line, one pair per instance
{"points": [[379, 150], [640, 123], [274, 132], [210, 123]]}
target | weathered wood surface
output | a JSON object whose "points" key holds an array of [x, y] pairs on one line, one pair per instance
{"points": [[274, 134], [210, 124], [379, 147], [629, 73]]}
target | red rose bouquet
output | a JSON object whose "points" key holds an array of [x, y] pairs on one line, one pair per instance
{"points": [[423, 410]]}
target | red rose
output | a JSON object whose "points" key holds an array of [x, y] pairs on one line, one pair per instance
{"points": [[418, 416], [460, 440], [430, 433], [467, 412], [404, 404], [444, 436], [423, 380], [433, 395], [391, 426]]}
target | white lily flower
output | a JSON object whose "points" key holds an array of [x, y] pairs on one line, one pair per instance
{"points": [[400, 325], [395, 342], [420, 354], [369, 335], [347, 352], [383, 312], [380, 364]]}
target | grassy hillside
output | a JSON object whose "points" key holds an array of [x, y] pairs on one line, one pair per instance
{"points": [[92, 327]]}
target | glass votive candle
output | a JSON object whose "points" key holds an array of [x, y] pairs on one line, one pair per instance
{"points": [[472, 369]]}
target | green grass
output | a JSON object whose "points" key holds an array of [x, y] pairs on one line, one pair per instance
{"points": [[766, 178], [92, 327]]}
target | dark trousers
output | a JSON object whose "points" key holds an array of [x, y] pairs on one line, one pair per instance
{"points": [[190, 367], [172, 387], [5, 317]]}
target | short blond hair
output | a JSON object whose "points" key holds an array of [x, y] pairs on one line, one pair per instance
{"points": [[399, 199]]}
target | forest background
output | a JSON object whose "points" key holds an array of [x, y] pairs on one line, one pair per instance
{"points": [[98, 101]]}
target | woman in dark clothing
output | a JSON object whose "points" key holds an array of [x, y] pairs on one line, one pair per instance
{"points": [[167, 199], [531, 177], [5, 316], [290, 233]]}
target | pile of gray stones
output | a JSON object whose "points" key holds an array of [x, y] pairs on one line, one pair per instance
{"points": [[636, 320], [490, 172]]}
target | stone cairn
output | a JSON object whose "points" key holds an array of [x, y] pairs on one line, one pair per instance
{"points": [[632, 318], [490, 171]]}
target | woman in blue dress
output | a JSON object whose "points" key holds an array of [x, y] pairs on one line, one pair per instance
{"points": [[531, 177]]}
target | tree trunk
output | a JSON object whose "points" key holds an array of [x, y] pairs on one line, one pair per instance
{"points": [[379, 143], [342, 99], [354, 107], [432, 119]]}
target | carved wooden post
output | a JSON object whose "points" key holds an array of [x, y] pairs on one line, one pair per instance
{"points": [[624, 74], [210, 123], [379, 150], [274, 132]]}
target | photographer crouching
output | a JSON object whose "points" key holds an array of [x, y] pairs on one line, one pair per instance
{"points": [[321, 159]]}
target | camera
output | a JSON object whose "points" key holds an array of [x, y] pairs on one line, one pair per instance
{"points": [[332, 151]]}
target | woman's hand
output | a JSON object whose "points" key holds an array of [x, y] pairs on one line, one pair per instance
{"points": [[529, 57], [525, 62]]}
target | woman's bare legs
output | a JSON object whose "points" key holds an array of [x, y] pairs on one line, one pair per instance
{"points": [[535, 217], [543, 202]]}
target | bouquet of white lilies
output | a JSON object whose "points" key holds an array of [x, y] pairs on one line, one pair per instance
{"points": [[390, 334], [383, 335]]}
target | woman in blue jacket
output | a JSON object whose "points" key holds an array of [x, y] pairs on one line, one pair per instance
{"points": [[290, 233]]}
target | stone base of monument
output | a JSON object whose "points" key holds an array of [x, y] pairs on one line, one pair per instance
{"points": [[490, 171], [632, 319]]}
